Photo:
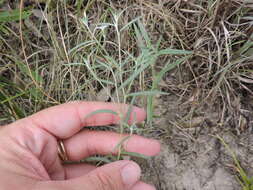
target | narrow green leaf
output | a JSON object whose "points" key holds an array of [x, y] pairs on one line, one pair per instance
{"points": [[245, 179], [36, 93], [138, 36], [142, 67], [12, 97], [134, 154], [119, 145], [129, 111], [174, 52], [147, 93], [102, 26], [157, 79], [129, 24], [87, 64], [144, 34], [168, 67], [14, 15], [81, 45], [98, 159], [101, 111], [16, 112], [3, 29], [25, 70], [73, 64]]}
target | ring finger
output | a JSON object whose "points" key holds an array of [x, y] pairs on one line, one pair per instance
{"points": [[88, 143]]}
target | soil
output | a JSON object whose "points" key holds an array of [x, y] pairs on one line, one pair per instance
{"points": [[193, 157]]}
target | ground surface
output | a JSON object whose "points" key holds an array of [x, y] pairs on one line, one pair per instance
{"points": [[193, 158], [87, 50]]}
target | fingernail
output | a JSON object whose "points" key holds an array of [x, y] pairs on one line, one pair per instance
{"points": [[130, 174]]}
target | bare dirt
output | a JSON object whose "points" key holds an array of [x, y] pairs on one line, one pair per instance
{"points": [[193, 157]]}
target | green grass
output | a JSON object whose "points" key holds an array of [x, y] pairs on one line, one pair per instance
{"points": [[13, 15], [245, 180], [120, 76], [89, 58]]}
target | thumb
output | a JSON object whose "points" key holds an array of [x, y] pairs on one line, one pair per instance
{"points": [[120, 175]]}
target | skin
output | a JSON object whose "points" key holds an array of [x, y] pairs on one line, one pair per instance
{"points": [[29, 156]]}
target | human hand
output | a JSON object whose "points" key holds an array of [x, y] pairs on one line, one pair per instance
{"points": [[29, 150]]}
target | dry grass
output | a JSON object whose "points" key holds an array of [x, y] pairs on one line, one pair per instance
{"points": [[39, 66], [219, 33]]}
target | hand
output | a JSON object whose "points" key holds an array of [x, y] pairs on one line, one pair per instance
{"points": [[29, 150]]}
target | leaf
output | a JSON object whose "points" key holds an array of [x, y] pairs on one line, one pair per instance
{"points": [[85, 20], [142, 67], [102, 26], [244, 177], [168, 67], [98, 159], [147, 93], [128, 24], [73, 64], [119, 145], [36, 93], [14, 15], [8, 99], [157, 79], [174, 52], [16, 112], [87, 64], [25, 70], [82, 45], [144, 34], [139, 37], [129, 111], [3, 29], [101, 111], [134, 154]]}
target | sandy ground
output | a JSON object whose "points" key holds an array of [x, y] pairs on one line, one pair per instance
{"points": [[194, 158]]}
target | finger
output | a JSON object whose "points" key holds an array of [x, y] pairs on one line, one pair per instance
{"points": [[142, 186], [65, 120], [77, 170], [87, 143], [118, 175]]}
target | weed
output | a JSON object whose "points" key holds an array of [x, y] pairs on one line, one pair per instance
{"points": [[245, 181], [14, 15], [119, 75]]}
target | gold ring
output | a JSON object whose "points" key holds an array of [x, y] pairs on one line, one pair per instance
{"points": [[62, 151]]}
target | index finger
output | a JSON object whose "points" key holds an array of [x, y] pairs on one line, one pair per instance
{"points": [[63, 121]]}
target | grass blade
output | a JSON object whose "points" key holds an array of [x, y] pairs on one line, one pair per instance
{"points": [[142, 67], [98, 159], [174, 52], [146, 93], [134, 154], [101, 111], [156, 81], [14, 15]]}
